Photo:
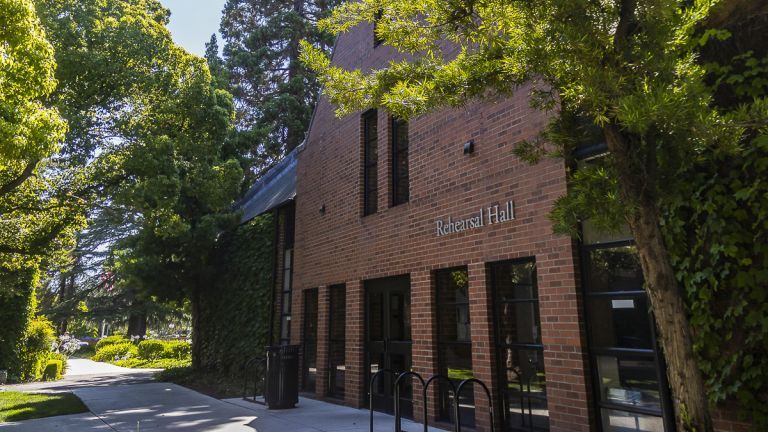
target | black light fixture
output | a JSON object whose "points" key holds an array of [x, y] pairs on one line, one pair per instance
{"points": [[469, 147], [322, 209]]}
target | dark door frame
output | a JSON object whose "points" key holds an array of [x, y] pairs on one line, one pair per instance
{"points": [[389, 347]]}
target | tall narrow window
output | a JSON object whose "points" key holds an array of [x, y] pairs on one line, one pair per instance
{"points": [[285, 292], [519, 349], [454, 341], [336, 341], [370, 162], [376, 18], [400, 184], [310, 340]]}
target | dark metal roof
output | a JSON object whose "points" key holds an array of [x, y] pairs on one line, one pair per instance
{"points": [[273, 189]]}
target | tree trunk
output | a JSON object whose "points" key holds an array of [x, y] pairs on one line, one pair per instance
{"points": [[197, 357], [137, 323], [637, 188]]}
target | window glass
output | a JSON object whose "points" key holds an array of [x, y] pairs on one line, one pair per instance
{"points": [[310, 340], [371, 160], [622, 421], [400, 184], [629, 380], [454, 341], [614, 269], [519, 351], [336, 341], [620, 322]]}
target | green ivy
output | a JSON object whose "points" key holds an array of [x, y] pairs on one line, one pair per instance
{"points": [[16, 309], [235, 309], [717, 233]]}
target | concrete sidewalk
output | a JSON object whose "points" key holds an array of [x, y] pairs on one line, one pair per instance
{"points": [[317, 416]]}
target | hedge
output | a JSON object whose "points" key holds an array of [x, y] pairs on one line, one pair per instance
{"points": [[115, 352]]}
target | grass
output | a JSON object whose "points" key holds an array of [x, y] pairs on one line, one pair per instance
{"points": [[17, 406]]}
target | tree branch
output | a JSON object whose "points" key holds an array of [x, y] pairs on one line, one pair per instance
{"points": [[15, 183]]}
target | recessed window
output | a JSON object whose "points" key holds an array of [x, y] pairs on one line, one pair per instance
{"points": [[376, 18], [309, 376], [370, 162], [400, 183], [454, 341], [337, 341], [519, 349]]}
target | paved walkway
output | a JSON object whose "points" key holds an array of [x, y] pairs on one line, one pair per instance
{"points": [[127, 400]]}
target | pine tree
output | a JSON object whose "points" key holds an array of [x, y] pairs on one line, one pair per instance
{"points": [[274, 92]]}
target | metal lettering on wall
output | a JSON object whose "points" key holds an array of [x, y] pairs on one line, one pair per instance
{"points": [[492, 215]]}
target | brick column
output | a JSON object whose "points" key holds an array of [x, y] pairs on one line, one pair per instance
{"points": [[563, 335], [323, 313], [355, 376], [483, 346], [424, 337]]}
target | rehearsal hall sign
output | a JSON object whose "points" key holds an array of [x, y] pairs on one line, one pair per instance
{"points": [[491, 215]]}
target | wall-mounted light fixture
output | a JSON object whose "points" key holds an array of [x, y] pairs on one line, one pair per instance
{"points": [[322, 209], [469, 147]]}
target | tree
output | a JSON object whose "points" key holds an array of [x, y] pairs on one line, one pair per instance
{"points": [[274, 92], [629, 70]]}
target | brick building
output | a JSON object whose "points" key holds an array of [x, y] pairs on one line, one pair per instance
{"points": [[427, 246]]}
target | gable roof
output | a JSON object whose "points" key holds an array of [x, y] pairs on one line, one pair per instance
{"points": [[273, 189]]}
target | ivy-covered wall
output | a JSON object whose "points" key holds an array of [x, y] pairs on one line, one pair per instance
{"points": [[17, 306], [717, 232], [235, 308]]}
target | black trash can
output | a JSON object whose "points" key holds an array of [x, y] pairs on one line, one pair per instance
{"points": [[282, 384]]}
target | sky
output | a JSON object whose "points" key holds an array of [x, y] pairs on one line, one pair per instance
{"points": [[193, 22]]}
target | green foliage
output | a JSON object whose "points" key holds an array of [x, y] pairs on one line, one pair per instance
{"points": [[53, 370], [163, 363], [36, 348], [235, 309], [17, 301], [62, 358], [274, 91], [151, 349], [176, 350], [110, 340], [715, 228], [116, 351]]}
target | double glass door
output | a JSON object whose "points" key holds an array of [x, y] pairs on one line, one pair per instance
{"points": [[388, 339]]}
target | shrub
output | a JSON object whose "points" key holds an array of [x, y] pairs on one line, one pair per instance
{"points": [[151, 349], [117, 351], [52, 371], [36, 348], [178, 350], [62, 358], [109, 340]]}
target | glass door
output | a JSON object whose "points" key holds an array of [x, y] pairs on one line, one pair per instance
{"points": [[388, 339]]}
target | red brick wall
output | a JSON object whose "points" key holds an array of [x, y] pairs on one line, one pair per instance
{"points": [[341, 246]]}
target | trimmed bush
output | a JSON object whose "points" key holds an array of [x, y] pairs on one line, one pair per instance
{"points": [[62, 358], [116, 352], [178, 350], [110, 340], [36, 348], [53, 369], [151, 349]]}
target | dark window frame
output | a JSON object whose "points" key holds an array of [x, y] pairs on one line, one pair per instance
{"points": [[376, 18], [370, 163], [441, 342], [400, 150], [517, 346], [310, 295], [333, 290], [665, 410], [286, 291]]}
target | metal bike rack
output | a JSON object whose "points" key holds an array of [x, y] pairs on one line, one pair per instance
{"points": [[370, 392], [457, 415], [438, 377], [399, 378], [398, 414], [253, 363]]}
